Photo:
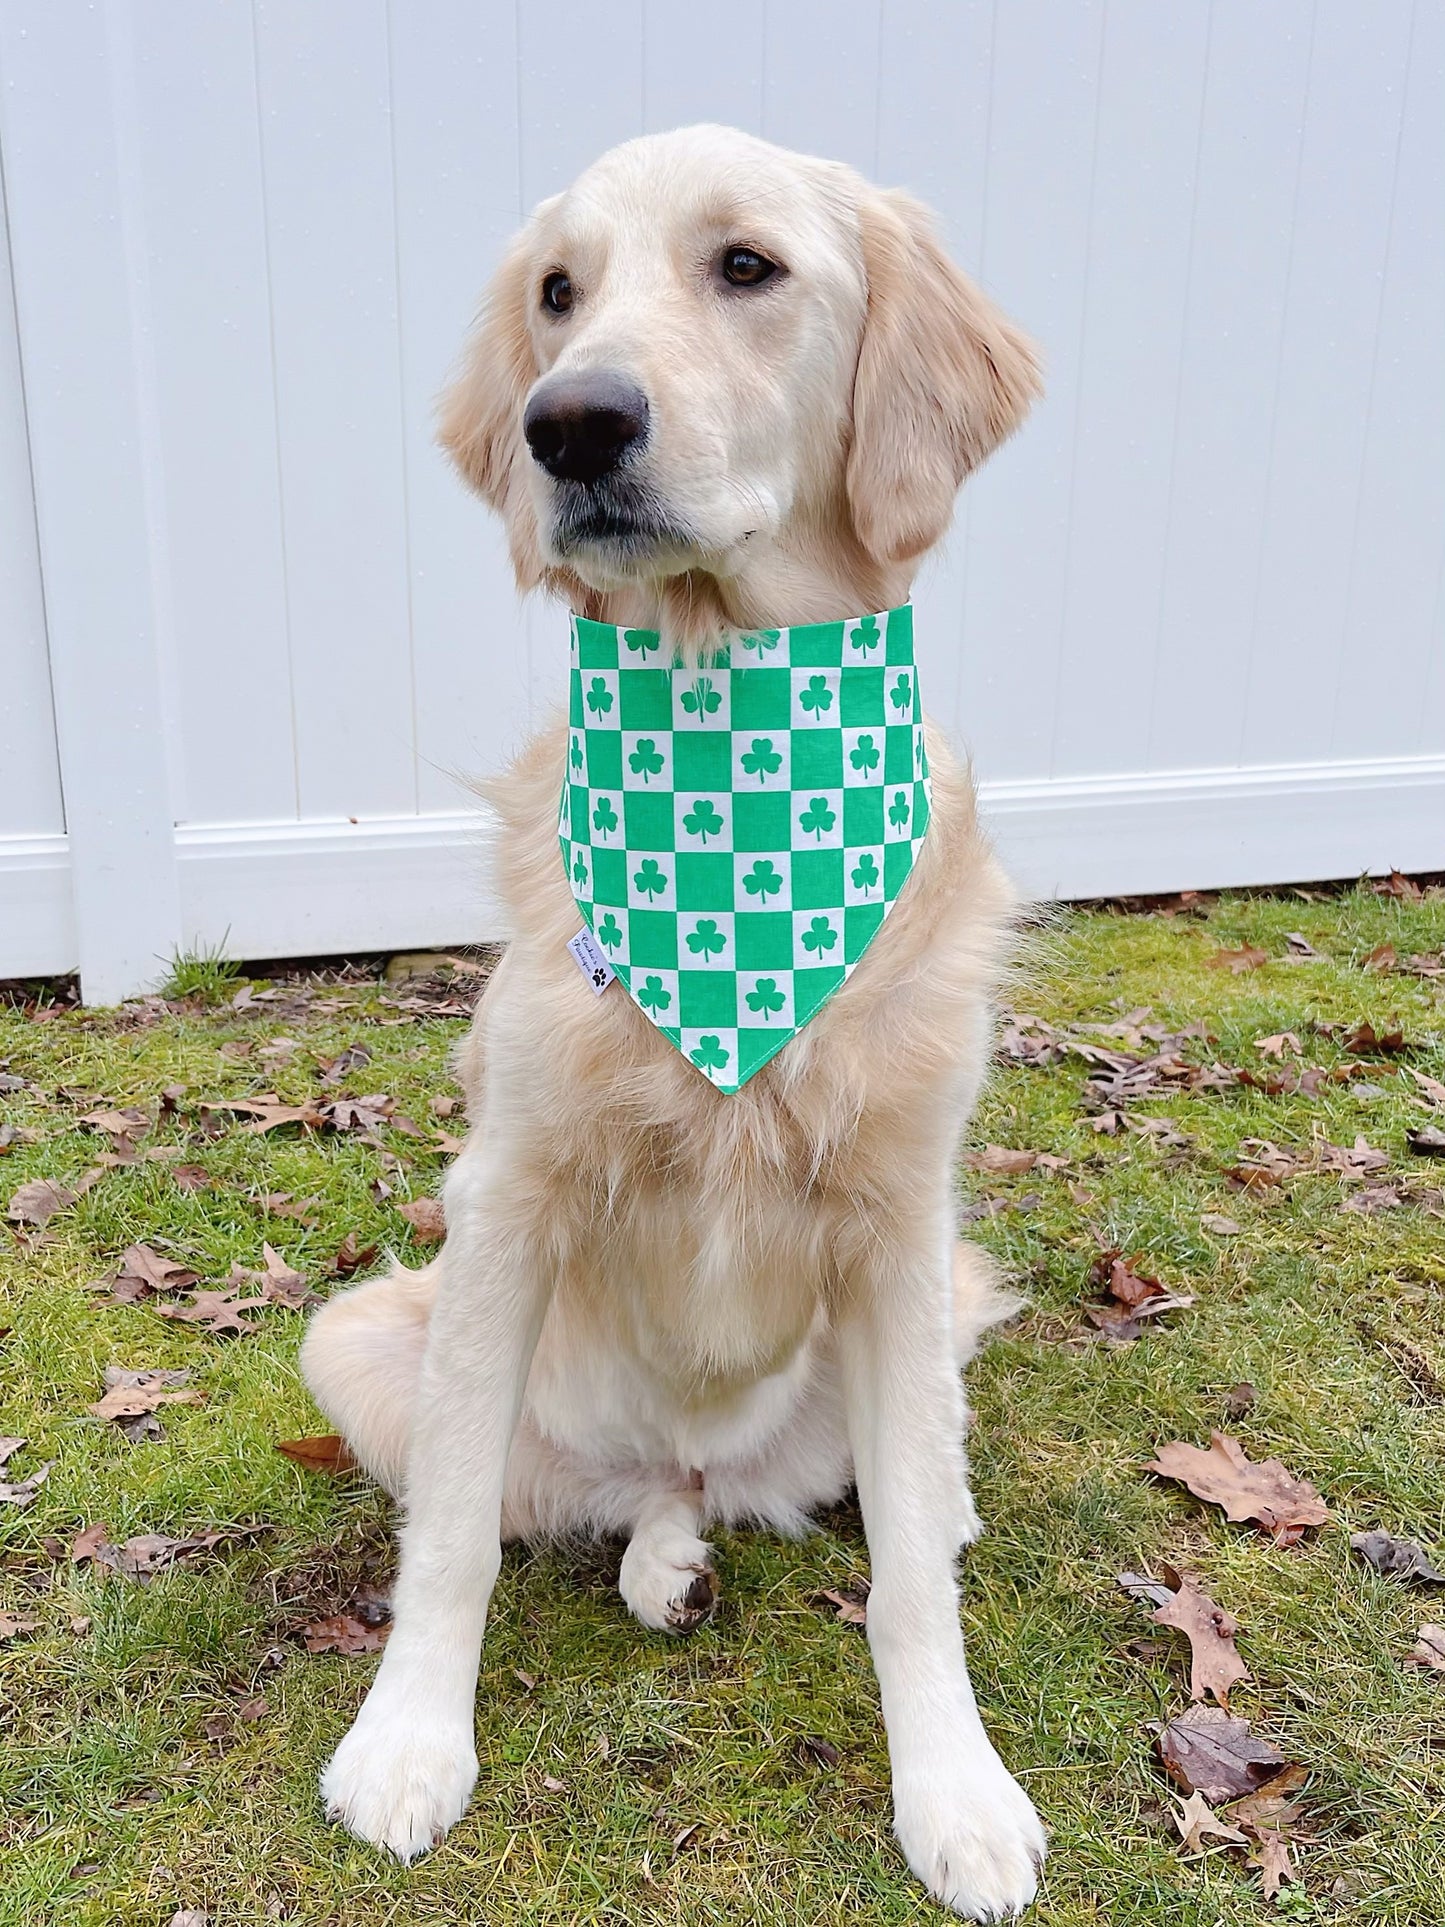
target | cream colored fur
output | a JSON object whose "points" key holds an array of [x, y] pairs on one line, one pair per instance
{"points": [[659, 1307]]}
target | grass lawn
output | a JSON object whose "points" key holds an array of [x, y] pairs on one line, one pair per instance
{"points": [[627, 1778]]}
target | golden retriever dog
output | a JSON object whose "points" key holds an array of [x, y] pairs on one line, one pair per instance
{"points": [[715, 386]]}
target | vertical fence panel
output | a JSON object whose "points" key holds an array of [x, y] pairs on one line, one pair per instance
{"points": [[1338, 246], [78, 250], [326, 155], [458, 201]]}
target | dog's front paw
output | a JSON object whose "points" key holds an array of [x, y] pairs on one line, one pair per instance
{"points": [[399, 1780], [970, 1833]]}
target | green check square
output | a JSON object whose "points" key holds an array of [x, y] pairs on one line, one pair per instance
{"points": [[763, 822], [812, 988], [652, 940], [897, 862], [817, 645], [817, 759], [580, 800], [609, 877], [645, 699], [647, 820], [596, 644], [862, 817], [861, 700], [701, 761], [861, 923], [708, 997], [604, 759], [763, 939], [755, 1047], [899, 645], [704, 882], [762, 698], [817, 879], [898, 754]]}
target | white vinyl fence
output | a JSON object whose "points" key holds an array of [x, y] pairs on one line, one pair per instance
{"points": [[253, 633]]}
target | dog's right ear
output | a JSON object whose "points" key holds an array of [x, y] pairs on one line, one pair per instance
{"points": [[479, 418], [943, 377]]}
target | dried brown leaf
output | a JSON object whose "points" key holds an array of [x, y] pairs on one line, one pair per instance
{"points": [[131, 1394], [1249, 957], [1197, 1820], [1265, 1492], [850, 1603], [427, 1219], [1428, 1651], [343, 1633], [327, 1453], [38, 1201], [1209, 1751], [1001, 1160], [1399, 1558], [1215, 1665]]}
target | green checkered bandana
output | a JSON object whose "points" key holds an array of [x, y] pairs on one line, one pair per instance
{"points": [[735, 835]]}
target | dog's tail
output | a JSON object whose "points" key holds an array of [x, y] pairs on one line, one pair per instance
{"points": [[361, 1361]]}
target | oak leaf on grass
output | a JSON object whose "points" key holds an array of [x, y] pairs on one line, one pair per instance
{"points": [[1209, 1751], [1264, 1493]]}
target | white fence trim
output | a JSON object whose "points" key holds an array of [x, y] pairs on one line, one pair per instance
{"points": [[333, 886]]}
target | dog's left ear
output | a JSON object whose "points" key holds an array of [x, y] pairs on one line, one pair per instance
{"points": [[479, 417], [943, 377]]}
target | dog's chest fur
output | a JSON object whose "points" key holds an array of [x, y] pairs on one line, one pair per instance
{"points": [[697, 1238]]}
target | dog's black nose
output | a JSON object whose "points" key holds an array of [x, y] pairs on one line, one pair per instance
{"points": [[579, 427]]}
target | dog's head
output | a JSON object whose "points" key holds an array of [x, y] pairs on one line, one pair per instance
{"points": [[709, 349]]}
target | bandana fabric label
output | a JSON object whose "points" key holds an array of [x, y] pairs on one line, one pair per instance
{"points": [[735, 835]]}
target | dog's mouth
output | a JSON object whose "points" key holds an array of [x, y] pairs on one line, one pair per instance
{"points": [[618, 523]]}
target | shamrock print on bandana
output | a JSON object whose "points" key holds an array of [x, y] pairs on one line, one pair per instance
{"points": [[735, 831]]}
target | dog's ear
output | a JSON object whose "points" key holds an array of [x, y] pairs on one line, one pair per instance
{"points": [[943, 377], [479, 417]]}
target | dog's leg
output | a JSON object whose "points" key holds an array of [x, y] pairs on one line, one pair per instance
{"points": [[667, 1578], [403, 1774], [966, 1826]]}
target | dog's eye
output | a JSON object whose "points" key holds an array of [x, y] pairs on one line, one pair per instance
{"points": [[557, 294], [746, 268]]}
